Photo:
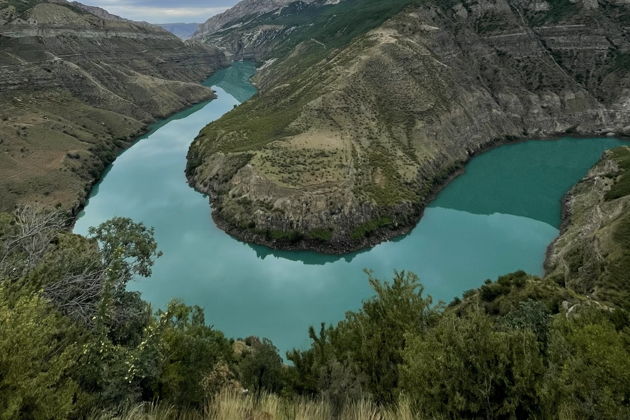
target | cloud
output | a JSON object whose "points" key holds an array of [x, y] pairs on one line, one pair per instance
{"points": [[164, 11]]}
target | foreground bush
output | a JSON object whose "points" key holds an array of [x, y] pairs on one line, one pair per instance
{"points": [[74, 343]]}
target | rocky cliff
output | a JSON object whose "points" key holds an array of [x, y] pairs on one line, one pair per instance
{"points": [[592, 254], [342, 152], [260, 29], [77, 85]]}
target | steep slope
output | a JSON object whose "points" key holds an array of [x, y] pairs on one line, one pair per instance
{"points": [[340, 153], [241, 13], [274, 31], [76, 86], [592, 254]]}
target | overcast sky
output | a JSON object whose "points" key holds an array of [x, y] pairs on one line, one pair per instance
{"points": [[164, 11]]}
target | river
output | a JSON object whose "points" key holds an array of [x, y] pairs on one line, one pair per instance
{"points": [[496, 218]]}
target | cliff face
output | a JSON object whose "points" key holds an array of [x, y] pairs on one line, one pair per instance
{"points": [[76, 86], [343, 152], [592, 254]]}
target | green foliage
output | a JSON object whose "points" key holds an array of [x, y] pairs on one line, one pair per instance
{"points": [[589, 368], [509, 291], [261, 367], [129, 242], [22, 6], [531, 315], [189, 350], [467, 368], [355, 345], [332, 25], [614, 282], [503, 351], [38, 352], [367, 228], [323, 235]]}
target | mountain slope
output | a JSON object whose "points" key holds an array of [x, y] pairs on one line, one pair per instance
{"points": [[340, 153], [273, 32], [77, 85], [245, 9]]}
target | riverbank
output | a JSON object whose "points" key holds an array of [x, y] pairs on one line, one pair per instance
{"points": [[146, 130], [379, 234]]}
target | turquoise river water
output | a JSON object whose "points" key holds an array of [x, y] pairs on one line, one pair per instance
{"points": [[496, 218]]}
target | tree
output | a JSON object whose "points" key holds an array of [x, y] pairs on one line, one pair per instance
{"points": [[369, 342], [25, 237], [130, 244], [589, 367], [38, 353], [189, 351], [261, 367], [465, 367]]}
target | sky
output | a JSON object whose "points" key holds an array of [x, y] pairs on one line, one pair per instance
{"points": [[164, 11]]}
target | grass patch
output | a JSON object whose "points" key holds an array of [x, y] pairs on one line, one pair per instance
{"points": [[324, 235], [366, 229], [615, 281]]}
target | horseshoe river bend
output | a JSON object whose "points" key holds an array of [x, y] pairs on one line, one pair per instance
{"points": [[496, 218]]}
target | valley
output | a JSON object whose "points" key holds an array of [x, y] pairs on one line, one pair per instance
{"points": [[315, 209]]}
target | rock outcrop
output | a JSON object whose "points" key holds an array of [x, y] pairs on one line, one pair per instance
{"points": [[77, 85], [339, 153], [592, 254]]}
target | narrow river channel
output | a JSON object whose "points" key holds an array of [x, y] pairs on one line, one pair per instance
{"points": [[498, 217]]}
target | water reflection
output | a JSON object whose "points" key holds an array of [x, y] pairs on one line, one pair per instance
{"points": [[524, 179]]}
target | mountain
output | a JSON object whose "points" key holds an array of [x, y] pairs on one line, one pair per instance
{"points": [[77, 85], [182, 30], [274, 31], [357, 126]]}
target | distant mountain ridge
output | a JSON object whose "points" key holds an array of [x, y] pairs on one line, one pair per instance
{"points": [[248, 9], [182, 30]]}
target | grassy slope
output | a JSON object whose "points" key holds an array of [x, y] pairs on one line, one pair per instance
{"points": [[321, 31]]}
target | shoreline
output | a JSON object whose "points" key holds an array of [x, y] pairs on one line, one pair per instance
{"points": [[383, 234], [75, 210]]}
